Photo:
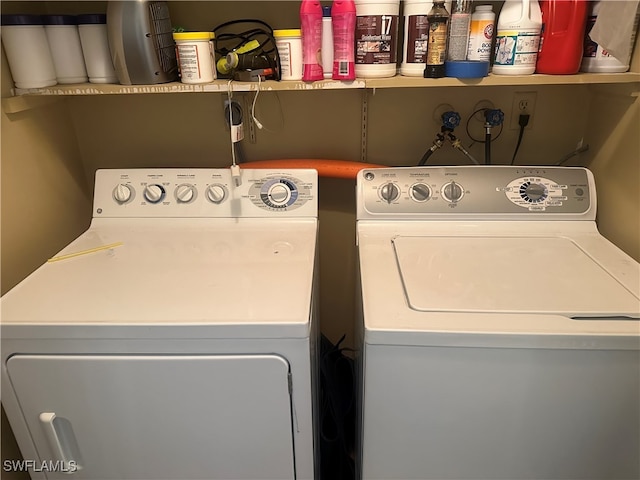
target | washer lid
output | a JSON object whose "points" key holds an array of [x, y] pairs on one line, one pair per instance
{"points": [[550, 275]]}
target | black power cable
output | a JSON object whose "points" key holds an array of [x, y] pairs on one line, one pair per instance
{"points": [[523, 121]]}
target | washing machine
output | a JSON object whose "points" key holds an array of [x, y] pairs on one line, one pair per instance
{"points": [[176, 337], [500, 330]]}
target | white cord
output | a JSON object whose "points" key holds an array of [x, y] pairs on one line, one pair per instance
{"points": [[253, 105]]}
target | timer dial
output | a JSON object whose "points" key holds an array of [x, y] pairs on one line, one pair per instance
{"points": [[154, 193], [279, 193], [533, 192]]}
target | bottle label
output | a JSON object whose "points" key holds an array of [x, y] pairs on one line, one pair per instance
{"points": [[417, 39], [437, 49], [480, 38], [284, 52], [376, 37], [517, 48]]}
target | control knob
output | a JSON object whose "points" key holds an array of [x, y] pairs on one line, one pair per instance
{"points": [[216, 193], [122, 193], [185, 193], [389, 192], [154, 193], [420, 192], [452, 192], [533, 192]]}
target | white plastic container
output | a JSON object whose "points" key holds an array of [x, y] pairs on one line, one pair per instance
{"points": [[66, 49], [518, 38], [483, 23], [95, 48], [25, 43], [596, 59], [327, 42], [376, 38], [194, 51], [289, 44], [416, 34]]}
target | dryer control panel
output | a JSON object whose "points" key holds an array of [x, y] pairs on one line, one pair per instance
{"points": [[215, 193], [476, 191]]}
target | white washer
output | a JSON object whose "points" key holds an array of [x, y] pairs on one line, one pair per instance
{"points": [[184, 351], [500, 332]]}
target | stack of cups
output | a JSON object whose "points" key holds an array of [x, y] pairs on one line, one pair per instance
{"points": [[66, 49], [25, 43]]}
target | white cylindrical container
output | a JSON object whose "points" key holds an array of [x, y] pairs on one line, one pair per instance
{"points": [[194, 51], [596, 59], [416, 35], [66, 49], [95, 48], [518, 38], [376, 38], [327, 42], [483, 23], [289, 44], [25, 43]]}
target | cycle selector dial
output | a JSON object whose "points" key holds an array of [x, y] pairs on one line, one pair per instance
{"points": [[533, 192], [154, 193], [389, 192], [123, 193], [420, 192], [216, 193], [452, 192], [185, 193]]}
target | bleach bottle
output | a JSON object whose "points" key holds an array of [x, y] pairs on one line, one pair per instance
{"points": [[518, 38]]}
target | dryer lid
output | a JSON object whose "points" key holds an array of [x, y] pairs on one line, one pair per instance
{"points": [[550, 275]]}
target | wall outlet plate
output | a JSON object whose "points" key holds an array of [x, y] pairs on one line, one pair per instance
{"points": [[524, 103]]}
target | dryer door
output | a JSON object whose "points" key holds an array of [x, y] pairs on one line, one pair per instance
{"points": [[157, 417]]}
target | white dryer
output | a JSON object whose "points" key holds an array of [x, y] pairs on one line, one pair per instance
{"points": [[176, 338], [500, 331]]}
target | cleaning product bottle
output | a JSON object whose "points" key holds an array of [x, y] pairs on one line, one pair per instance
{"points": [[459, 25], [518, 38], [343, 19], [562, 38], [416, 35], [311, 26], [483, 22], [437, 44], [595, 58]]}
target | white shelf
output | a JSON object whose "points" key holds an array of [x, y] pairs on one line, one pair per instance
{"points": [[28, 98]]}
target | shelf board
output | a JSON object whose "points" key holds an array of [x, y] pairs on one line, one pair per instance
{"points": [[372, 83]]}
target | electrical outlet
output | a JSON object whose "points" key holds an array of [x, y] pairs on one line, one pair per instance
{"points": [[524, 103]]}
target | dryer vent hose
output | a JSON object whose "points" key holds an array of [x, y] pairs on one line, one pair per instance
{"points": [[325, 168]]}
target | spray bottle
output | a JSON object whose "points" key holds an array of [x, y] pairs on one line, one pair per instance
{"points": [[343, 19], [311, 26]]}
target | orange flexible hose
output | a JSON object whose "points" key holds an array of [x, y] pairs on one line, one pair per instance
{"points": [[325, 167]]}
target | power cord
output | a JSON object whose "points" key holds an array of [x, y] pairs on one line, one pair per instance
{"points": [[523, 121]]}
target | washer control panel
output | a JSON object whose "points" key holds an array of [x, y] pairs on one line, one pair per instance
{"points": [[175, 192], [475, 190]]}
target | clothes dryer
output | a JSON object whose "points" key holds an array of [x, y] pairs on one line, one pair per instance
{"points": [[175, 338], [500, 330]]}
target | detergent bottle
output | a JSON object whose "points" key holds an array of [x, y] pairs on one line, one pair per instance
{"points": [[518, 38], [561, 41]]}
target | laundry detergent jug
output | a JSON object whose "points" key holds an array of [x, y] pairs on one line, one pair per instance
{"points": [[518, 38]]}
